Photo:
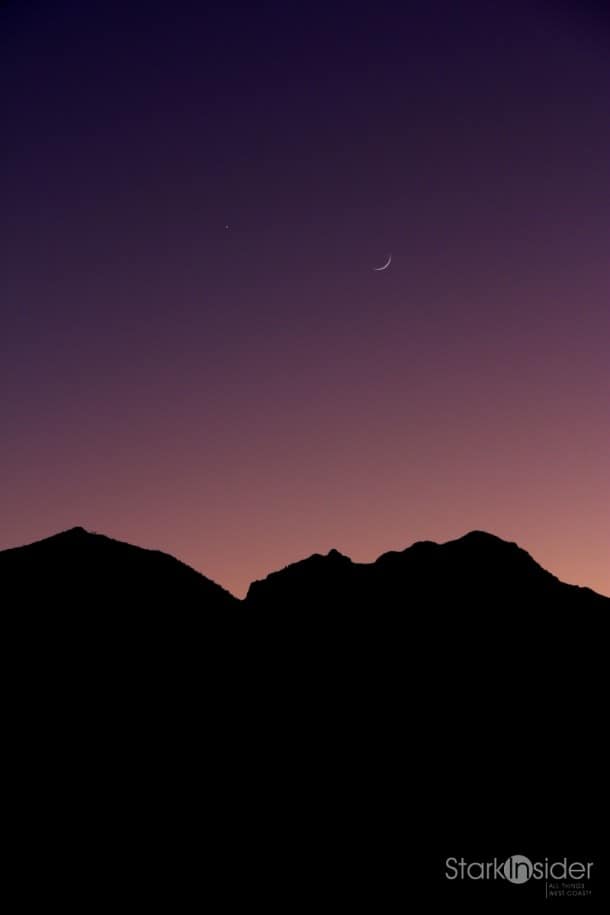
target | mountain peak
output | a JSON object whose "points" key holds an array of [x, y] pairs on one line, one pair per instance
{"points": [[482, 537]]}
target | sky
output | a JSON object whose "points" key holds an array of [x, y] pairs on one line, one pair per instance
{"points": [[196, 352]]}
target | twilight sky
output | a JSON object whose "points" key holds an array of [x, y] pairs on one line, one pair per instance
{"points": [[242, 397]]}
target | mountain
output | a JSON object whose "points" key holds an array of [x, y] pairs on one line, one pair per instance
{"points": [[478, 571], [80, 568], [355, 726]]}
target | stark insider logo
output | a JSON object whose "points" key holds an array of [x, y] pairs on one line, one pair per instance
{"points": [[517, 869]]}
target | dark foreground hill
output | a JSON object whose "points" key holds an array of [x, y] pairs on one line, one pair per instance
{"points": [[329, 741]]}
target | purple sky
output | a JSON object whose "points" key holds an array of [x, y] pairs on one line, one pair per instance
{"points": [[244, 396]]}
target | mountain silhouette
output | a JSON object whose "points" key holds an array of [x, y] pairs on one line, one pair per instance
{"points": [[478, 570], [78, 566], [336, 736]]}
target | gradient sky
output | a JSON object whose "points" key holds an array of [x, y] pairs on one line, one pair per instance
{"points": [[244, 397]]}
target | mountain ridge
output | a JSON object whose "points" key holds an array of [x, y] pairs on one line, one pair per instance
{"points": [[285, 736], [473, 563]]}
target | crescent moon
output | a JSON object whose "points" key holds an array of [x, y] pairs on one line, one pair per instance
{"points": [[386, 265]]}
